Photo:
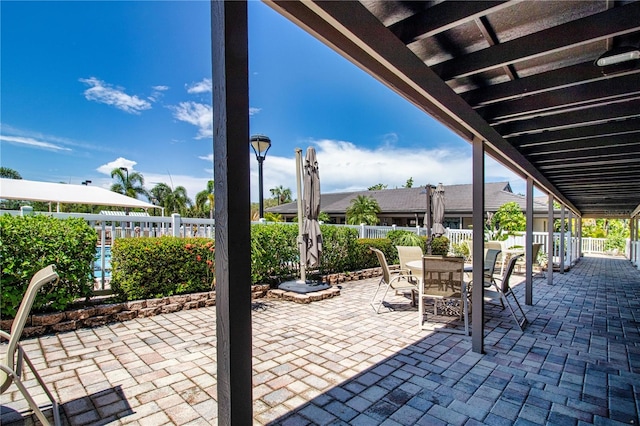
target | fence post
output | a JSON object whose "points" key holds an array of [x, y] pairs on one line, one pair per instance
{"points": [[362, 225], [26, 210], [175, 224]]}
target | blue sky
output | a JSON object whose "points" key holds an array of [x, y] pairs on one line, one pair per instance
{"points": [[91, 86]]}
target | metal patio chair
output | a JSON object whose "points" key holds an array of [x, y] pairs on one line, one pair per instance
{"points": [[503, 291], [11, 365], [389, 281]]}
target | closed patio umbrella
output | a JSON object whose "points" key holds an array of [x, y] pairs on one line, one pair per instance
{"points": [[311, 234], [438, 210]]}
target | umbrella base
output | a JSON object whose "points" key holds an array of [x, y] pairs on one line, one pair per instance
{"points": [[300, 286]]}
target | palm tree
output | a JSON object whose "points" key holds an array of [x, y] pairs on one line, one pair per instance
{"points": [[6, 172], [129, 184], [281, 194], [174, 201], [206, 197], [363, 210]]}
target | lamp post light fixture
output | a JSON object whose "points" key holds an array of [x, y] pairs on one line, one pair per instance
{"points": [[260, 145]]}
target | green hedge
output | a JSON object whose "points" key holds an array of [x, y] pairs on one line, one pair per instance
{"points": [[29, 243], [144, 268]]}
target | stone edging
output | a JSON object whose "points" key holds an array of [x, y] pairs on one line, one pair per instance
{"points": [[97, 315]]}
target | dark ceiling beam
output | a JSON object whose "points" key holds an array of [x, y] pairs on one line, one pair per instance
{"points": [[574, 146], [589, 116], [595, 178], [491, 38], [604, 171], [442, 17], [571, 157], [584, 164], [537, 83], [613, 129], [600, 26], [600, 92]]}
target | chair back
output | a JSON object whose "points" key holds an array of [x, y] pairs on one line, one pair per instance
{"points": [[535, 249], [496, 245], [442, 276], [408, 254], [504, 285], [386, 274], [42, 277], [490, 257]]}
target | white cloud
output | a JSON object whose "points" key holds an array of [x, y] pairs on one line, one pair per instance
{"points": [[104, 93], [200, 115], [254, 110], [203, 86], [157, 93], [345, 166], [33, 143], [115, 164]]}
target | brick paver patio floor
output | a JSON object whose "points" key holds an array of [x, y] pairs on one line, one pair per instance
{"points": [[336, 362]]}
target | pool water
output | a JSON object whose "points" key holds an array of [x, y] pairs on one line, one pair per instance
{"points": [[97, 264]]}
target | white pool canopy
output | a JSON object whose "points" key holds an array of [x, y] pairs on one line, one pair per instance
{"points": [[20, 189]]}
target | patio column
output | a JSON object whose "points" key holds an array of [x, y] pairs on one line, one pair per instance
{"points": [[562, 238], [528, 292], [570, 232], [550, 240], [477, 302], [230, 59], [632, 230]]}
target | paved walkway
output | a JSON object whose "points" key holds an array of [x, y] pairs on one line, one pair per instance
{"points": [[336, 362]]}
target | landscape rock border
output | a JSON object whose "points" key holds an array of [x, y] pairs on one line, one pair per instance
{"points": [[101, 314]]}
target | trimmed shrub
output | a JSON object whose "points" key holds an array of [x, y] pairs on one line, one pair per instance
{"points": [[144, 268], [340, 249], [369, 260], [274, 252], [29, 243], [440, 246]]}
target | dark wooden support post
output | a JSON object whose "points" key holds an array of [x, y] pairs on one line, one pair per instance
{"points": [[528, 289], [550, 244], [477, 298], [230, 55], [562, 241]]}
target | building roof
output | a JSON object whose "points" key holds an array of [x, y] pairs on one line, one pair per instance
{"points": [[457, 200], [21, 189]]}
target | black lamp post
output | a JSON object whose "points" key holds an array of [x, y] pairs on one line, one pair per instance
{"points": [[260, 145]]}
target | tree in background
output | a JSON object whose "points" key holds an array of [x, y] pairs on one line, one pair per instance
{"points": [[129, 184], [409, 183], [206, 199], [281, 194], [509, 218], [173, 200], [363, 210], [6, 172], [377, 187]]}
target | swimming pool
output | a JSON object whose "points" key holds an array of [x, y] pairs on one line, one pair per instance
{"points": [[97, 264]]}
